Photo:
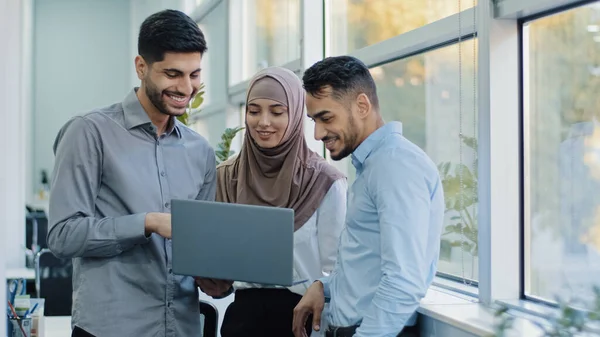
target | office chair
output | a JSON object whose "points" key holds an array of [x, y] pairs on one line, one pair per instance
{"points": [[53, 280], [36, 229], [211, 319]]}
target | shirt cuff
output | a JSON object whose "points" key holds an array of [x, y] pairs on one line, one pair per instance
{"points": [[326, 289], [130, 230]]}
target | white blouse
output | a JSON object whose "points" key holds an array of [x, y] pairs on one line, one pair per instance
{"points": [[316, 242]]}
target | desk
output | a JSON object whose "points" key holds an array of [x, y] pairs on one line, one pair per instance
{"points": [[16, 273], [57, 326]]}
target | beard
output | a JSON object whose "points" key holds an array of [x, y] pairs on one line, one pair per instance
{"points": [[349, 141], [156, 98]]}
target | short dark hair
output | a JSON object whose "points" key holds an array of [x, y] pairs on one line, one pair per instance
{"points": [[344, 74], [169, 31]]}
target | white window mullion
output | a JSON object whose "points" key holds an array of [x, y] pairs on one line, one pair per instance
{"points": [[311, 37], [499, 157]]}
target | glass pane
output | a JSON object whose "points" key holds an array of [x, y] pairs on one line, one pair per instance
{"points": [[262, 33], [214, 66], [211, 127], [236, 118], [424, 93], [562, 153], [355, 24]]}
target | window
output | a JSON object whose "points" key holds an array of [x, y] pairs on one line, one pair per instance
{"points": [[205, 73], [355, 24], [237, 118], [262, 33], [214, 66], [561, 68], [211, 126], [423, 93]]}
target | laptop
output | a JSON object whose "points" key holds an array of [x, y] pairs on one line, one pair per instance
{"points": [[233, 241]]}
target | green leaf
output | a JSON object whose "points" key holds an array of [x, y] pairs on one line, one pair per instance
{"points": [[199, 98], [469, 141], [224, 151]]}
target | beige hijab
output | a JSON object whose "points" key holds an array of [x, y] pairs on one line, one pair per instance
{"points": [[289, 175]]}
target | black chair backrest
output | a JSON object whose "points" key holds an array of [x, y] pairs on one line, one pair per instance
{"points": [[53, 278], [211, 319]]}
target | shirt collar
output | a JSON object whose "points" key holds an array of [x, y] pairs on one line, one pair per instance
{"points": [[365, 148], [135, 115]]}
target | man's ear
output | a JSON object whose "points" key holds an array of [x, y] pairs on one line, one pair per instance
{"points": [[364, 105], [141, 67]]}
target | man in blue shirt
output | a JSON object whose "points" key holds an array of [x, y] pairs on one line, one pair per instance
{"points": [[388, 251]]}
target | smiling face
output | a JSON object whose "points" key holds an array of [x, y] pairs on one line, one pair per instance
{"points": [[170, 84], [267, 121], [335, 123]]}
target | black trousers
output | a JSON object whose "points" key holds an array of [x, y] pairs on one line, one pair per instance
{"points": [[261, 312], [409, 331], [79, 332]]}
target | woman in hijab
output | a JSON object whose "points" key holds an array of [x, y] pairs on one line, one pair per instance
{"points": [[276, 168]]}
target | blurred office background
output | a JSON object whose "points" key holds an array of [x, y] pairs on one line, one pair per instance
{"points": [[503, 96]]}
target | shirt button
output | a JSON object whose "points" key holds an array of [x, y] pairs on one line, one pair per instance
{"points": [[162, 173], [170, 271], [168, 304], [167, 204]]}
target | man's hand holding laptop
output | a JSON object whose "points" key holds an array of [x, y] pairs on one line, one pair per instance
{"points": [[213, 287]]}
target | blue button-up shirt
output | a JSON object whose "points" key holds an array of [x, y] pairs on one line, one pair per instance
{"points": [[389, 248]]}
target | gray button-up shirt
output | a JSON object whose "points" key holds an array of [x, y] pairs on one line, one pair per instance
{"points": [[111, 169]]}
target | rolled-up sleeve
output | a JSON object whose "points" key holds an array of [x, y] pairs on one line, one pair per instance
{"points": [[402, 196], [73, 229]]}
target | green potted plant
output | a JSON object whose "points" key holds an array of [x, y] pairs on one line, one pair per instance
{"points": [[223, 151], [460, 202]]}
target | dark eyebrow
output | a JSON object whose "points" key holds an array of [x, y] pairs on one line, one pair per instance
{"points": [[172, 70], [179, 72], [320, 114]]}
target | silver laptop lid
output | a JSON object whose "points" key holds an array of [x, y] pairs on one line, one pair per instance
{"points": [[233, 241]]}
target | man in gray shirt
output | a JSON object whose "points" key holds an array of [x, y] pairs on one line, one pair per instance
{"points": [[116, 170]]}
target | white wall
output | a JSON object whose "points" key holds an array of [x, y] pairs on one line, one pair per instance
{"points": [[139, 10], [81, 61], [13, 136]]}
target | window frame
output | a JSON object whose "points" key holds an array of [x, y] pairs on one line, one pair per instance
{"points": [[438, 34], [498, 30], [294, 65], [525, 226]]}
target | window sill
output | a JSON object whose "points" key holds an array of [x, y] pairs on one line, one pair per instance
{"points": [[467, 314]]}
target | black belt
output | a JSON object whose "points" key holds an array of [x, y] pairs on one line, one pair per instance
{"points": [[349, 331], [341, 331]]}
